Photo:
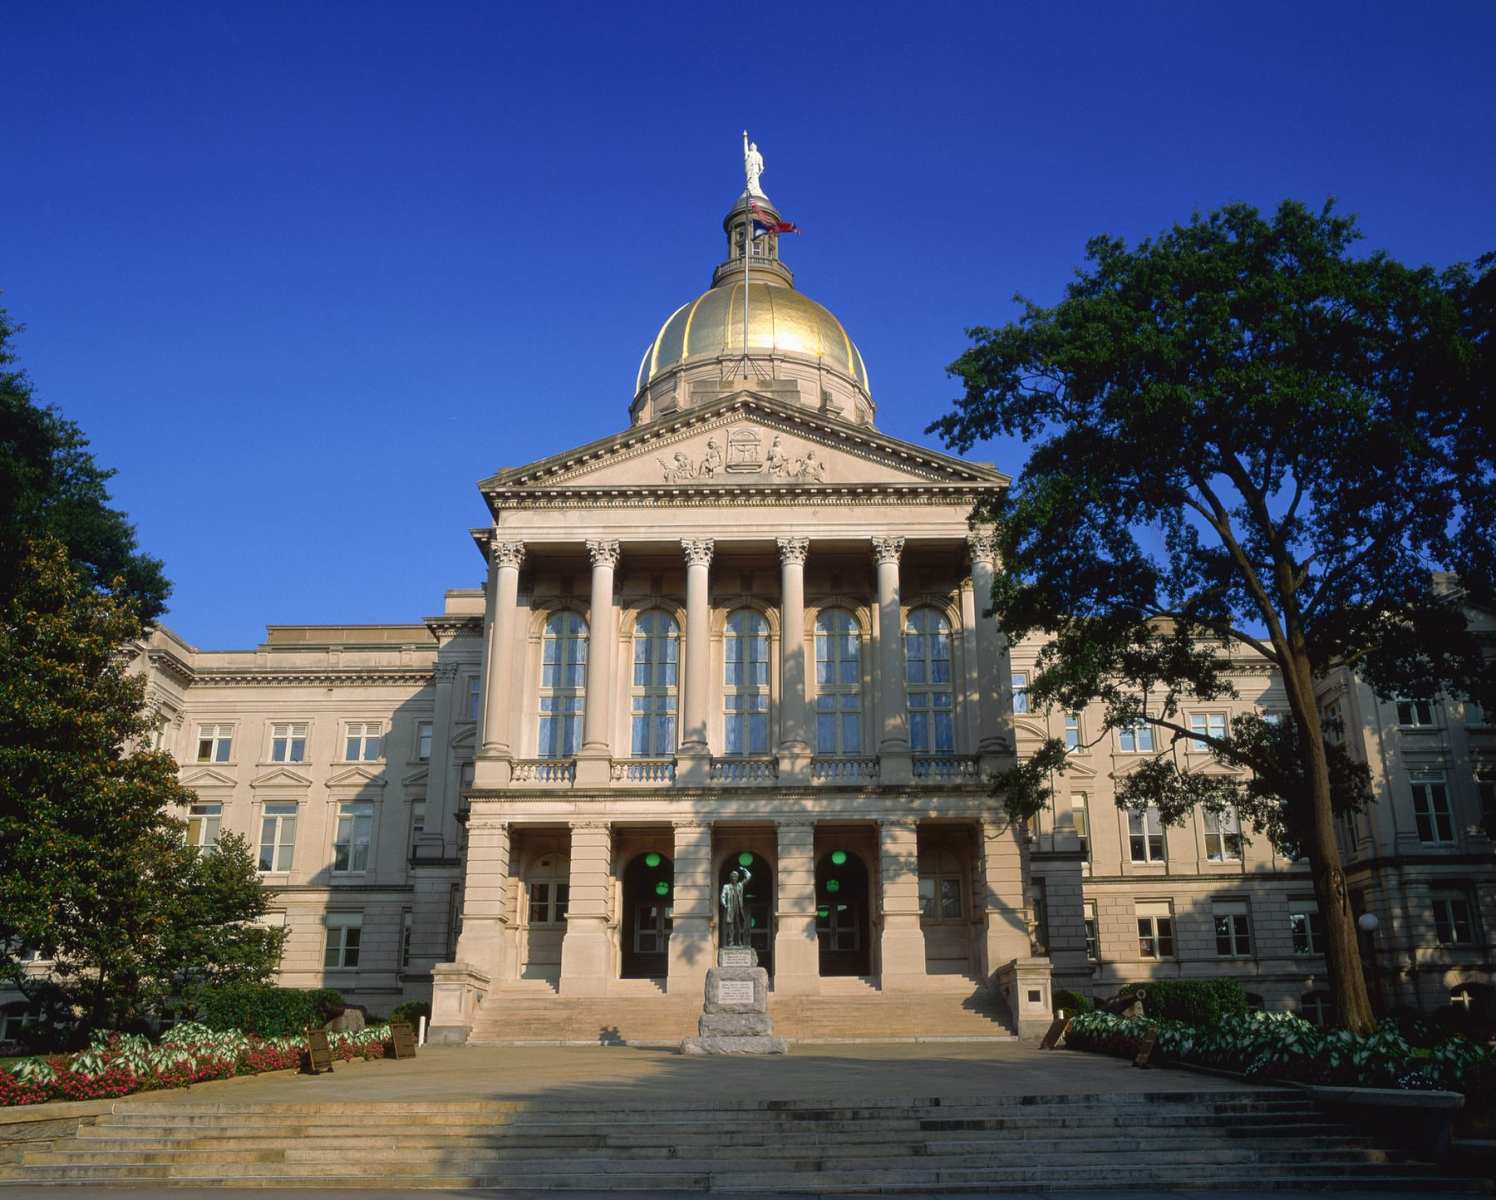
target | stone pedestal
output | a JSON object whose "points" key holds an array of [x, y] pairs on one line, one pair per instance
{"points": [[735, 1015]]}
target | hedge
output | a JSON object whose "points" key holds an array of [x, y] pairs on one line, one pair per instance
{"points": [[1071, 1003], [267, 1010], [1193, 1001], [1282, 1046], [411, 1012]]}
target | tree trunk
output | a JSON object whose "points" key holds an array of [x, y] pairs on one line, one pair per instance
{"points": [[1342, 948]]}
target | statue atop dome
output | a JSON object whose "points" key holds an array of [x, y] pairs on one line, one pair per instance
{"points": [[753, 166]]}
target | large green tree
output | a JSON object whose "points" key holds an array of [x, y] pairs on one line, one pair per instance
{"points": [[95, 874], [50, 484], [1245, 439]]}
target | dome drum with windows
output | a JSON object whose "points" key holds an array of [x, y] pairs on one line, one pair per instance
{"points": [[795, 348]]}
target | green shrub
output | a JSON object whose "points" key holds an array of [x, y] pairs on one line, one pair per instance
{"points": [[267, 1010], [1193, 1001], [1072, 1003], [411, 1012]]}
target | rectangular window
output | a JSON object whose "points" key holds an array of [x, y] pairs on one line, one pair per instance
{"points": [[1072, 731], [653, 724], [215, 743], [1233, 928], [1039, 905], [1020, 692], [202, 825], [350, 849], [1080, 821], [1155, 929], [474, 698], [548, 903], [1432, 813], [1136, 738], [940, 897], [277, 836], [407, 931], [1485, 789], [417, 823], [423, 741], [1207, 725], [1093, 933], [560, 725], [1475, 716], [1223, 841], [288, 742], [364, 741], [838, 723], [344, 932], [1415, 713], [1452, 923], [1306, 926], [1146, 836]]}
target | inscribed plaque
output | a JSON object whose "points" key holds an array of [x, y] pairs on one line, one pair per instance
{"points": [[735, 991]]}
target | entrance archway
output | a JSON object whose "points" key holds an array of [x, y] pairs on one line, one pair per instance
{"points": [[760, 903], [648, 904], [842, 926]]}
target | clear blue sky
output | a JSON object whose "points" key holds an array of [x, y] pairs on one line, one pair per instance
{"points": [[305, 272]]}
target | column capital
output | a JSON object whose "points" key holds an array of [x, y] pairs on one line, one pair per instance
{"points": [[901, 824], [982, 544], [698, 551], [795, 822], [590, 825], [679, 825], [507, 554], [888, 549], [602, 553], [793, 550], [480, 822]]}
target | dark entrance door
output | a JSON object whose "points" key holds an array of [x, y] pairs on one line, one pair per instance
{"points": [[648, 901], [760, 903], [842, 926]]}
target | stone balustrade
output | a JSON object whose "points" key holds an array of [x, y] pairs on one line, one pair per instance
{"points": [[844, 770], [739, 771], [544, 770], [643, 770], [745, 770], [946, 768]]}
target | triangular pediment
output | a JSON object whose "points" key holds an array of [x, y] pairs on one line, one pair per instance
{"points": [[281, 777], [207, 777], [359, 776], [1078, 770], [415, 777], [745, 441], [467, 739]]}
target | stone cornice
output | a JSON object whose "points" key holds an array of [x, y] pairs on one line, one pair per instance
{"points": [[170, 664], [696, 495], [451, 627], [313, 676]]}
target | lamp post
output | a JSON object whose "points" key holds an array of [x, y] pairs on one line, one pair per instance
{"points": [[1368, 924]]}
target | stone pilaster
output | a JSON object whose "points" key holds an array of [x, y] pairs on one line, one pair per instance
{"points": [[1005, 933], [796, 952], [903, 941], [794, 718], [491, 765], [895, 766], [586, 950], [594, 761], [691, 931], [695, 753], [487, 936]]}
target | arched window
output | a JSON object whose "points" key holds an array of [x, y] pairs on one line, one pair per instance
{"points": [[656, 684], [746, 683], [838, 683], [927, 674], [563, 674]]}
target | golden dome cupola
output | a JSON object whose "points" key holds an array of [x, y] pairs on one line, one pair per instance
{"points": [[796, 350]]}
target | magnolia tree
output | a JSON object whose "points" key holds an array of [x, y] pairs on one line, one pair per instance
{"points": [[1244, 441]]}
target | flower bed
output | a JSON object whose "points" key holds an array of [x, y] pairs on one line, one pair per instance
{"points": [[119, 1064], [1281, 1046]]}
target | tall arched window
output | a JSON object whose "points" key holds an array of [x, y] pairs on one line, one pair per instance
{"points": [[563, 675], [746, 683], [838, 683], [656, 684], [927, 674]]}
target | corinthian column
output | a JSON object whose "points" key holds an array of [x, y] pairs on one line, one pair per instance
{"points": [[893, 706], [593, 762], [794, 738], [698, 552], [490, 769], [995, 733]]}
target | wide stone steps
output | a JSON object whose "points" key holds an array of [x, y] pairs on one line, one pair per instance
{"points": [[1247, 1139], [866, 1015]]}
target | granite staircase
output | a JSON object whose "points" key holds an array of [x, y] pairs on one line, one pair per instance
{"points": [[641, 1012], [1258, 1140]]}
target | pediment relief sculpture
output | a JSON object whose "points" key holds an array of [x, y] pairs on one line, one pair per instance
{"points": [[746, 460]]}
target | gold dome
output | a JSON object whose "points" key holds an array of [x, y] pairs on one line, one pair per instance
{"points": [[780, 321]]}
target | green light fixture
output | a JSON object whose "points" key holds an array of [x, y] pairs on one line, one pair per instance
{"points": [[662, 888], [823, 913], [839, 857], [651, 859], [833, 885], [745, 859]]}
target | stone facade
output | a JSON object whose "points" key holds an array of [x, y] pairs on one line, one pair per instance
{"points": [[749, 631]]}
